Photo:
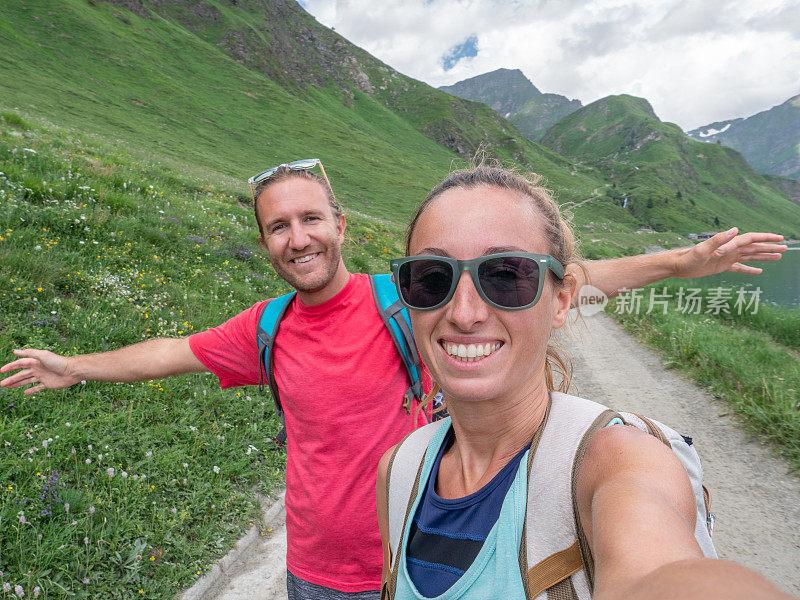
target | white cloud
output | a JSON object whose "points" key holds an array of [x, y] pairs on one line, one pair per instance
{"points": [[696, 62]]}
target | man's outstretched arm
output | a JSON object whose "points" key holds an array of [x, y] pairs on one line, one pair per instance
{"points": [[153, 359], [726, 251]]}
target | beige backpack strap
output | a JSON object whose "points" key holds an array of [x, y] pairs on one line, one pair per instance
{"points": [[402, 485], [588, 562], [551, 528], [653, 430]]}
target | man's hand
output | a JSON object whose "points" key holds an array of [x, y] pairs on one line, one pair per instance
{"points": [[726, 252], [41, 369], [152, 359]]}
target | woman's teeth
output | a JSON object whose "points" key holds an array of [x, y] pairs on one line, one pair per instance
{"points": [[304, 259], [470, 352]]}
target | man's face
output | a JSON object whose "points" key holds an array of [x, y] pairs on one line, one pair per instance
{"points": [[301, 234]]}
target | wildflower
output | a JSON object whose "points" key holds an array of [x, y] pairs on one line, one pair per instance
{"points": [[110, 472], [174, 511], [88, 461], [66, 507], [124, 474], [86, 581], [6, 587], [99, 457], [216, 469], [91, 510], [185, 465], [19, 591], [148, 454], [86, 541], [73, 450], [90, 447], [36, 591]]}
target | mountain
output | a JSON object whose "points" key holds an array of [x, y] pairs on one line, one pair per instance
{"points": [[227, 88], [216, 91], [504, 90], [511, 94], [769, 140], [664, 177]]}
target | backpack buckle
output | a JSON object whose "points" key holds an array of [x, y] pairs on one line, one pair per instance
{"points": [[407, 402]]}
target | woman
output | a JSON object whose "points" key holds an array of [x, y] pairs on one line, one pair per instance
{"points": [[485, 336]]}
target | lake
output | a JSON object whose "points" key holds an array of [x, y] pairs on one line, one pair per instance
{"points": [[779, 282]]}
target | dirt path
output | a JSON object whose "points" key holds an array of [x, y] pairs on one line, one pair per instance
{"points": [[756, 501]]}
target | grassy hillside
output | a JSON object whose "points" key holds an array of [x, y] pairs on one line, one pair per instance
{"points": [[155, 88], [669, 180]]}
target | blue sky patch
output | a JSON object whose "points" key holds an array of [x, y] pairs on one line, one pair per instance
{"points": [[466, 49]]}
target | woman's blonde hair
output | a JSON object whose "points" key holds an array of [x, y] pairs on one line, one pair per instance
{"points": [[560, 237]]}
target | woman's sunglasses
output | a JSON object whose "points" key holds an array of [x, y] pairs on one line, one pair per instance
{"points": [[508, 280], [298, 165]]}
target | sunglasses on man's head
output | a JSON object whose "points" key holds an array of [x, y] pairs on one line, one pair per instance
{"points": [[298, 165], [507, 280]]}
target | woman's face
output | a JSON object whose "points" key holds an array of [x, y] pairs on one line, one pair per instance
{"points": [[465, 224]]}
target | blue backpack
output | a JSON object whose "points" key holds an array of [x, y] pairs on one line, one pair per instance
{"points": [[394, 315]]}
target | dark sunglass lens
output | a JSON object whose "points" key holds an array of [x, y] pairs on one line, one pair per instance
{"points": [[424, 283], [510, 281]]}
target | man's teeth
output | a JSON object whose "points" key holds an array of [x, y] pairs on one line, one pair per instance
{"points": [[470, 352], [304, 259]]}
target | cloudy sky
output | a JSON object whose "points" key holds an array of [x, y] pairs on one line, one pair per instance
{"points": [[696, 61]]}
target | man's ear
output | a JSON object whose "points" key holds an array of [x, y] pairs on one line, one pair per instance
{"points": [[341, 226], [262, 243], [562, 299]]}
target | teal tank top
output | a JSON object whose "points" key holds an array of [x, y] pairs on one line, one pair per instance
{"points": [[495, 572]]}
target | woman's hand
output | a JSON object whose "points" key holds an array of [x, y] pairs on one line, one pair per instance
{"points": [[726, 251]]}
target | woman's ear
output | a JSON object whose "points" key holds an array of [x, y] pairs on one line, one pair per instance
{"points": [[562, 299]]}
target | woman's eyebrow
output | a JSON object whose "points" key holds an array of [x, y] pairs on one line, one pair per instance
{"points": [[434, 252], [499, 249]]}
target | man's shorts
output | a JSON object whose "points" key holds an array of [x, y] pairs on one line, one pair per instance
{"points": [[299, 589]]}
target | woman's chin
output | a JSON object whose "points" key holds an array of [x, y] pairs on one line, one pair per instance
{"points": [[468, 390]]}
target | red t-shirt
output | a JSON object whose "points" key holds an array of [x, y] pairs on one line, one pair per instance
{"points": [[341, 382]]}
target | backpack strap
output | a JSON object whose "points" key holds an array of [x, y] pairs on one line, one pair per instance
{"points": [[554, 552], [395, 317], [268, 323], [402, 485]]}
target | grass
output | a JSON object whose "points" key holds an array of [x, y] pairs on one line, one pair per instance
{"points": [[749, 359], [128, 490]]}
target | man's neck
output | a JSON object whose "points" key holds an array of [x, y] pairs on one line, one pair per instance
{"points": [[336, 285]]}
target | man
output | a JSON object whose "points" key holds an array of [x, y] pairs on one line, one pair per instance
{"points": [[339, 375]]}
